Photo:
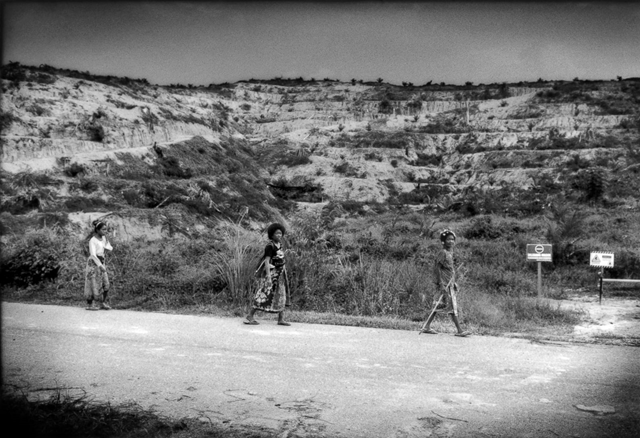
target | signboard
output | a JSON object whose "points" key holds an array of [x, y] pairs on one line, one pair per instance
{"points": [[539, 252], [601, 258]]}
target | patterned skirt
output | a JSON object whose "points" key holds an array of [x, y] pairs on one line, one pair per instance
{"points": [[271, 293], [448, 303], [96, 282]]}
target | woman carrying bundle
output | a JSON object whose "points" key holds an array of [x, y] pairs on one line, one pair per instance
{"points": [[96, 279]]}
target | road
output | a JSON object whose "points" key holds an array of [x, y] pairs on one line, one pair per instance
{"points": [[320, 380]]}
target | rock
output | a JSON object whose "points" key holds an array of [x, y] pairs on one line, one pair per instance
{"points": [[598, 409]]}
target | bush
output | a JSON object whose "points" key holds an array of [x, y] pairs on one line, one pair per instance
{"points": [[170, 167], [7, 119], [79, 203], [427, 160], [74, 169], [88, 186], [20, 204], [294, 160], [95, 132], [483, 228], [34, 258], [345, 169]]}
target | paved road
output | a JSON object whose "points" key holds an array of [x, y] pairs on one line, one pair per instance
{"points": [[318, 380]]}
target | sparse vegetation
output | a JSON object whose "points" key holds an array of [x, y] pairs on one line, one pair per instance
{"points": [[359, 257]]}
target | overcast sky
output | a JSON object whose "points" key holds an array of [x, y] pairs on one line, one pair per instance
{"points": [[213, 42]]}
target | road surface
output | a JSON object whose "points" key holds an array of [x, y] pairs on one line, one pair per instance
{"points": [[319, 380]]}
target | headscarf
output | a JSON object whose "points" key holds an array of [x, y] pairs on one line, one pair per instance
{"points": [[446, 233]]}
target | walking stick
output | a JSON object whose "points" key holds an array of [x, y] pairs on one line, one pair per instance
{"points": [[431, 314], [438, 303]]}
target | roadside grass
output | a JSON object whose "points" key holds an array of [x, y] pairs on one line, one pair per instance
{"points": [[362, 272], [73, 416]]}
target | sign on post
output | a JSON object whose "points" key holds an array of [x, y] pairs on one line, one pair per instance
{"points": [[539, 252], [601, 258]]}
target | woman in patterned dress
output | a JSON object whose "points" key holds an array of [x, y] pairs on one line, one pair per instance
{"points": [[96, 280], [444, 272], [272, 294]]}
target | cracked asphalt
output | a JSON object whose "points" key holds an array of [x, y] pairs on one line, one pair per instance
{"points": [[319, 380]]}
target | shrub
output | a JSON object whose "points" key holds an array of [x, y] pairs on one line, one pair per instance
{"points": [[37, 110], [95, 132], [20, 204], [170, 167], [394, 163], [79, 203], [7, 119], [427, 160], [483, 228], [35, 257], [74, 169], [295, 160], [345, 169], [88, 186]]}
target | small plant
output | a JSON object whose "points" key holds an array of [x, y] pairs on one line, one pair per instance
{"points": [[74, 169], [295, 160], [95, 132]]}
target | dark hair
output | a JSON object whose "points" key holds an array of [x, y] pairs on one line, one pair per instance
{"points": [[97, 224], [273, 228]]}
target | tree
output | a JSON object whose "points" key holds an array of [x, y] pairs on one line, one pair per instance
{"points": [[468, 83], [380, 80]]}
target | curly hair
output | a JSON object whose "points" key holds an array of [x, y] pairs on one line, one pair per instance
{"points": [[273, 228]]}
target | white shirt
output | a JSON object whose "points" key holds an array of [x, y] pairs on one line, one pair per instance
{"points": [[97, 247]]}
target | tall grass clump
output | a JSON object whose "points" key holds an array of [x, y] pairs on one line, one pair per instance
{"points": [[236, 263]]}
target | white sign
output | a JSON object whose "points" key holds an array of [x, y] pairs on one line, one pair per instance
{"points": [[600, 258], [539, 252]]}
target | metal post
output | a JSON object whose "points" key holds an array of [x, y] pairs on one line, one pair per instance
{"points": [[601, 274], [539, 279]]}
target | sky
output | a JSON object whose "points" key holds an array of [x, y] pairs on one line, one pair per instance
{"points": [[213, 42]]}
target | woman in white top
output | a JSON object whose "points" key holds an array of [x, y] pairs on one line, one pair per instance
{"points": [[96, 280]]}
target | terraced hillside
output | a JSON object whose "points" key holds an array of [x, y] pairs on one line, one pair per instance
{"points": [[124, 144]]}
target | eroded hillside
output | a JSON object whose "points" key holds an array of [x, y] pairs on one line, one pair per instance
{"points": [[84, 143]]}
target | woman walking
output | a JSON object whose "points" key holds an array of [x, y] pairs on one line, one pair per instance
{"points": [[272, 294], [444, 272], [96, 280]]}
